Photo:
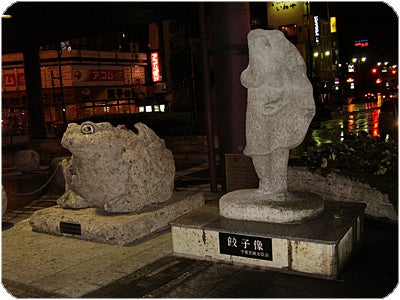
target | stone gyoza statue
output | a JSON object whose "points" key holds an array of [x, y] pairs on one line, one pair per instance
{"points": [[114, 168], [280, 107]]}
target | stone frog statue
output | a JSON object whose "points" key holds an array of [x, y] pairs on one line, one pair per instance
{"points": [[114, 168]]}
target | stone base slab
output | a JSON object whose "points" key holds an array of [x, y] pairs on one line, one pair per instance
{"points": [[95, 225], [256, 205], [319, 247]]}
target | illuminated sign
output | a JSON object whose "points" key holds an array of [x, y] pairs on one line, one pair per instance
{"points": [[361, 43], [316, 29], [333, 24], [283, 5], [155, 66], [89, 75]]}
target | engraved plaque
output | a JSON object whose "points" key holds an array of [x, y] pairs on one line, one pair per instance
{"points": [[245, 246], [240, 173], [70, 228]]}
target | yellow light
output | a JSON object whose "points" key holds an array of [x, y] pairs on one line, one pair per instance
{"points": [[327, 53], [333, 24], [316, 54]]}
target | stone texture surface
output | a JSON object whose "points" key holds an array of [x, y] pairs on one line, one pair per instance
{"points": [[71, 268], [116, 228], [289, 208], [115, 169], [334, 187], [320, 247], [280, 107], [280, 103], [27, 161], [3, 200], [56, 166]]}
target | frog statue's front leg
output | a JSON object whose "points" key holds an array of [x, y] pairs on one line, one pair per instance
{"points": [[71, 199]]}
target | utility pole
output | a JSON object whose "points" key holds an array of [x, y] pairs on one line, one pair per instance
{"points": [[207, 97]]}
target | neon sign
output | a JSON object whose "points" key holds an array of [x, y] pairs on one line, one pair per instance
{"points": [[333, 24], [316, 29], [361, 43], [155, 66]]}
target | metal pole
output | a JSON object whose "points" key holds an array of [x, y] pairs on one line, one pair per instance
{"points": [[207, 97], [59, 52]]}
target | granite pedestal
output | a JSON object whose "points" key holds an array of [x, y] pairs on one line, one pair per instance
{"points": [[96, 225], [318, 247]]}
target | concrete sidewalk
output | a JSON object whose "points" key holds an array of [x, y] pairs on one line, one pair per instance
{"points": [[45, 266]]}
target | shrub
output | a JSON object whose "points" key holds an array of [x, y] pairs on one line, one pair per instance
{"points": [[360, 153]]}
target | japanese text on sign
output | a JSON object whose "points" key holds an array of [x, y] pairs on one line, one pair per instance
{"points": [[245, 246], [155, 67]]}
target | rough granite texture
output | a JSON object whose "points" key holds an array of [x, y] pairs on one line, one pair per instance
{"points": [[115, 169], [280, 107], [116, 228], [280, 103]]}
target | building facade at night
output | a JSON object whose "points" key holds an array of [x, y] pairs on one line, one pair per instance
{"points": [[156, 67], [92, 83], [313, 35], [98, 77]]}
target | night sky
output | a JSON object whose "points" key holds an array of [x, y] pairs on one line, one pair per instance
{"points": [[375, 21]]}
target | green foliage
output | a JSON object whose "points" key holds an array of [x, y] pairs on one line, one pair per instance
{"points": [[360, 153]]}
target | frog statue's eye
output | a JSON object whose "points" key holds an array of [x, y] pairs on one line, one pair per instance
{"points": [[87, 128]]}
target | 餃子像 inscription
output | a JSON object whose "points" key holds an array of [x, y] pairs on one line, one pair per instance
{"points": [[245, 246]]}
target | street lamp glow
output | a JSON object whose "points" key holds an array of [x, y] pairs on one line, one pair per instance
{"points": [[316, 54], [327, 53], [364, 59], [354, 59]]}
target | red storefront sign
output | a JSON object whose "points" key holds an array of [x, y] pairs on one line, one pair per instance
{"points": [[155, 66], [104, 75]]}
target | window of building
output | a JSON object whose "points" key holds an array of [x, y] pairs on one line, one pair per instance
{"points": [[290, 32]]}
